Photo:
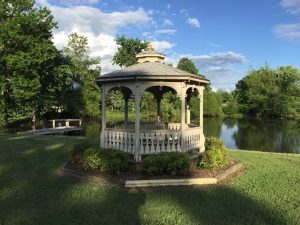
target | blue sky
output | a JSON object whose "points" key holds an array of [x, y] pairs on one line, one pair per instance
{"points": [[223, 38]]}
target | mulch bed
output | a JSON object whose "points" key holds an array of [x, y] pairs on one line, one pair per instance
{"points": [[135, 173]]}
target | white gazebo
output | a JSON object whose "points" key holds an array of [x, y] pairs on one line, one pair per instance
{"points": [[150, 74]]}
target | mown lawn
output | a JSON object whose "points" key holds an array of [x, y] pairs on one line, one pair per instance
{"points": [[31, 192]]}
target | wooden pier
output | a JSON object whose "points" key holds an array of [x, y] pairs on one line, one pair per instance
{"points": [[59, 126]]}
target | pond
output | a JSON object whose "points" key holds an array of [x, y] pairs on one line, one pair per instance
{"points": [[272, 135]]}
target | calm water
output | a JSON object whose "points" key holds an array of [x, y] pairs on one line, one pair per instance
{"points": [[253, 134]]}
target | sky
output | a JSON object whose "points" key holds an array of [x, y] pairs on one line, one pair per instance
{"points": [[225, 39]]}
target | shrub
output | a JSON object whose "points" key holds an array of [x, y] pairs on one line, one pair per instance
{"points": [[77, 151], [215, 153], [92, 159], [108, 160], [171, 163], [113, 161]]}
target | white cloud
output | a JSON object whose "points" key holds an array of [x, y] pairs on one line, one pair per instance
{"points": [[214, 45], [99, 27], [292, 6], [218, 67], [161, 46], [90, 19], [165, 31], [217, 60], [193, 22], [168, 6], [288, 31], [168, 22]]}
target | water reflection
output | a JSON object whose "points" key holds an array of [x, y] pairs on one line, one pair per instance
{"points": [[255, 134]]}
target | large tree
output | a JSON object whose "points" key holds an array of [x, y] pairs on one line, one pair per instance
{"points": [[187, 65], [127, 50], [31, 69], [84, 94], [270, 92]]}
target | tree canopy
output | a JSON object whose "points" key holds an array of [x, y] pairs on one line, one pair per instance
{"points": [[127, 50], [84, 95], [32, 71], [188, 66], [270, 92]]}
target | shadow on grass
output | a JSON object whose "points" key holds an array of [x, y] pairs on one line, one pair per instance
{"points": [[32, 193], [207, 205]]}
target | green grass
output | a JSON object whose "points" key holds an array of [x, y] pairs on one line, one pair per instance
{"points": [[31, 192]]}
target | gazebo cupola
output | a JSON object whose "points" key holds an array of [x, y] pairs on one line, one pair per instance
{"points": [[149, 55], [150, 74]]}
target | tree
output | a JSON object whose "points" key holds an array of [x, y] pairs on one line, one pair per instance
{"points": [[84, 92], [31, 70], [127, 50], [269, 92], [187, 65], [212, 103]]}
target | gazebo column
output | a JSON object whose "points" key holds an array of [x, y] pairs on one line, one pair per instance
{"points": [[182, 119], [188, 114], [126, 98], [103, 117], [137, 99], [202, 140]]}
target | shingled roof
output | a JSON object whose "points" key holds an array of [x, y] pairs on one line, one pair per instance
{"points": [[150, 70]]}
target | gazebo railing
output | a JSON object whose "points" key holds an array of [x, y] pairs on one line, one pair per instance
{"points": [[153, 141]]}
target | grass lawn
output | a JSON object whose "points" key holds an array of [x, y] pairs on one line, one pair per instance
{"points": [[268, 192]]}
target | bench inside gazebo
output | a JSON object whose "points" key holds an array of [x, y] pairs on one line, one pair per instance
{"points": [[150, 74]]}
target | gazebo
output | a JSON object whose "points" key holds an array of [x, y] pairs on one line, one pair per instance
{"points": [[150, 74]]}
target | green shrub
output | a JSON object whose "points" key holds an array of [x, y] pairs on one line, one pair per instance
{"points": [[215, 154], [92, 159], [77, 151], [171, 163], [113, 161]]}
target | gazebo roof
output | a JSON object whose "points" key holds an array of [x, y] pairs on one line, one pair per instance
{"points": [[151, 71]]}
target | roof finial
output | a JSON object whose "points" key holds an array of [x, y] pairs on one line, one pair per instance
{"points": [[149, 46], [149, 55]]}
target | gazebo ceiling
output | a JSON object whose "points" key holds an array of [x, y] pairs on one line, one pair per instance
{"points": [[151, 71]]}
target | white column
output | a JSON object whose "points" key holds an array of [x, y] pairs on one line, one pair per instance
{"points": [[126, 112], [188, 114], [137, 99], [103, 116], [201, 110], [182, 115], [202, 140]]}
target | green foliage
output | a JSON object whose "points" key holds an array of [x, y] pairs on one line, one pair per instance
{"points": [[170, 104], [269, 92], [212, 103], [215, 154], [127, 50], [187, 65], [32, 71], [148, 104], [91, 159], [229, 104], [171, 163], [84, 155], [77, 151], [82, 98], [115, 101], [113, 161]]}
